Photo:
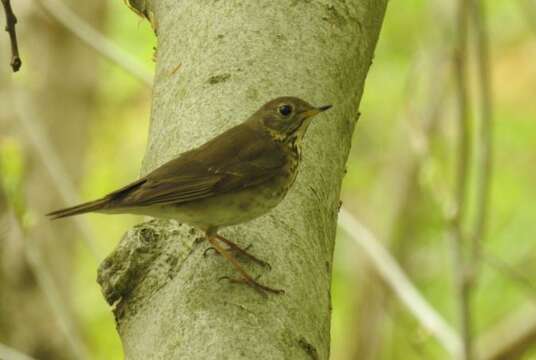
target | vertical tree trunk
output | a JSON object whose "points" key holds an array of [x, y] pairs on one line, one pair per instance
{"points": [[61, 79], [233, 57]]}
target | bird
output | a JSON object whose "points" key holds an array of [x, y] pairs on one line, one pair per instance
{"points": [[238, 176]]}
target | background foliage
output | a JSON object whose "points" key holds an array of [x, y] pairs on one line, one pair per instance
{"points": [[399, 195]]}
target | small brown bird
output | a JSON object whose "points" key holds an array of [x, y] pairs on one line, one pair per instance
{"points": [[236, 177]]}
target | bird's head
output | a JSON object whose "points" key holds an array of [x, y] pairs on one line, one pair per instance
{"points": [[287, 117]]}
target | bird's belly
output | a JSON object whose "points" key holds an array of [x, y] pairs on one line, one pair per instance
{"points": [[226, 209]]}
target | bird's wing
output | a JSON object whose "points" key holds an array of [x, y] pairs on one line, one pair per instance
{"points": [[228, 163]]}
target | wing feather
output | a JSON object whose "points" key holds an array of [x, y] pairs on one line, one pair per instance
{"points": [[237, 159]]}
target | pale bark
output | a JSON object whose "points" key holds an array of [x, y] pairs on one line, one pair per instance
{"points": [[234, 56]]}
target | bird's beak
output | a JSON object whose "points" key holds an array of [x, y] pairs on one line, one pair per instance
{"points": [[313, 112]]}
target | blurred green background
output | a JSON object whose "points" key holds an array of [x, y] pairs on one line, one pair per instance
{"points": [[397, 191]]}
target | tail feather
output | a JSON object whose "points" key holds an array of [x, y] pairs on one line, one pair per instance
{"points": [[111, 200], [78, 209]]}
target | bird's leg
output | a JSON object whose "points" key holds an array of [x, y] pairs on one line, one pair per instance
{"points": [[231, 250], [233, 246], [246, 278]]}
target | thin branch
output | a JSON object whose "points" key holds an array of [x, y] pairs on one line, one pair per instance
{"points": [[484, 149], [462, 271], [11, 20], [52, 162], [46, 283], [397, 280], [421, 128], [8, 353], [519, 277], [512, 337], [464, 128], [94, 39], [421, 115]]}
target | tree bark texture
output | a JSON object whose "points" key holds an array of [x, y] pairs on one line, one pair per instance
{"points": [[60, 76], [232, 57]]}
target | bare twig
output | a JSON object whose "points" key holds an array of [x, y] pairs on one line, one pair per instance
{"points": [[484, 154], [397, 280], [462, 271], [11, 20], [8, 353], [94, 39]]}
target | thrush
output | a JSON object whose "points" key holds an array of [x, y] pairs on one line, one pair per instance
{"points": [[234, 178]]}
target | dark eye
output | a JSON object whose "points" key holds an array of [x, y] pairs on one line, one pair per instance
{"points": [[285, 110]]}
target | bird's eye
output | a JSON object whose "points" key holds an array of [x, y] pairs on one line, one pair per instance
{"points": [[285, 110]]}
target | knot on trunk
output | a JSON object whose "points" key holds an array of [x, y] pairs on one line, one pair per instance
{"points": [[146, 258]]}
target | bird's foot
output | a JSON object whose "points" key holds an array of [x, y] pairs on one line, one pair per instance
{"points": [[211, 249], [245, 277], [262, 289], [244, 252]]}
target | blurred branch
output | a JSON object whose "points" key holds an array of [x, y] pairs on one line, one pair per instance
{"points": [[484, 141], [511, 338], [46, 283], [465, 267], [8, 353], [396, 279], [421, 117], [424, 97], [94, 39], [462, 270], [528, 8], [50, 159], [11, 20], [509, 270]]}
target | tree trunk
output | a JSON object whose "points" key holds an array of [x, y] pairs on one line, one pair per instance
{"points": [[232, 57]]}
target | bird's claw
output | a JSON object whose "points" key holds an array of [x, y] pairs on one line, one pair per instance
{"points": [[209, 249]]}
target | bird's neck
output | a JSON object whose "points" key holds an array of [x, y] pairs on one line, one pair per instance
{"points": [[294, 144], [292, 141]]}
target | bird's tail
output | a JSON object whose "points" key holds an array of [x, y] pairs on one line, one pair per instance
{"points": [[79, 209]]}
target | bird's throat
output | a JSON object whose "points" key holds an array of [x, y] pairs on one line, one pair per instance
{"points": [[294, 144]]}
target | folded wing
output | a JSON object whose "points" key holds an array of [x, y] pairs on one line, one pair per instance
{"points": [[228, 163]]}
